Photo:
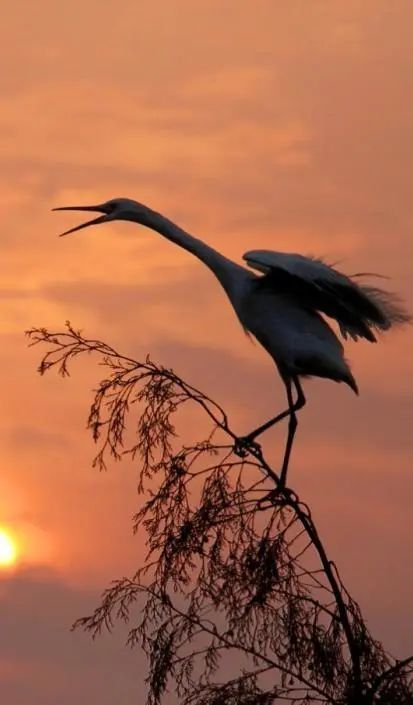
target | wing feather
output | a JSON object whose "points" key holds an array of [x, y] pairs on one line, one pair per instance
{"points": [[359, 309]]}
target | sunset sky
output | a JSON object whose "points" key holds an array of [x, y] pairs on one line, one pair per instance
{"points": [[266, 124]]}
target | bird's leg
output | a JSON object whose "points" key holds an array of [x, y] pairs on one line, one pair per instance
{"points": [[257, 432], [245, 442], [291, 409], [292, 425]]}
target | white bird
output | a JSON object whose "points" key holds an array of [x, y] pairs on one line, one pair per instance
{"points": [[281, 307]]}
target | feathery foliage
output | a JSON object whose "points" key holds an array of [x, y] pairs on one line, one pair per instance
{"points": [[236, 578]]}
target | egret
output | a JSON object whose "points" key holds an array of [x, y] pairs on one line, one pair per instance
{"points": [[281, 307]]}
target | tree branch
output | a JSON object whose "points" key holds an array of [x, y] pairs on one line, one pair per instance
{"points": [[239, 551]]}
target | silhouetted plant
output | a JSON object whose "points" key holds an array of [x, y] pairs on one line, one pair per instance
{"points": [[235, 564]]}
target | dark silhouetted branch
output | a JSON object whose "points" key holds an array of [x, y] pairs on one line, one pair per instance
{"points": [[234, 565]]}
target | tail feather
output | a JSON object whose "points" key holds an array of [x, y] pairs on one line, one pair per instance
{"points": [[372, 309], [390, 309]]}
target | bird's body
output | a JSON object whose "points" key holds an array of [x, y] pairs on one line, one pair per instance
{"points": [[298, 339], [282, 306]]}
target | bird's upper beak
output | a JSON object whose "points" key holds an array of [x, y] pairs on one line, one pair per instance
{"points": [[96, 209]]}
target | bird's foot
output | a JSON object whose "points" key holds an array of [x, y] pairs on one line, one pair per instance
{"points": [[245, 445], [280, 495]]}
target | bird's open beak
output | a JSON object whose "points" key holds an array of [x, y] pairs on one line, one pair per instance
{"points": [[95, 221]]}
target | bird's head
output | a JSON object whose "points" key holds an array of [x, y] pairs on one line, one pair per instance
{"points": [[115, 209]]}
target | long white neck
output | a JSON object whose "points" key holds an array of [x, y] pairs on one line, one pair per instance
{"points": [[223, 268]]}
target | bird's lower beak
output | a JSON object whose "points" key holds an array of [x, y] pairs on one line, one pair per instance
{"points": [[95, 221]]}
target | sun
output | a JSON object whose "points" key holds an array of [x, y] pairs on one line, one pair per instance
{"points": [[8, 549]]}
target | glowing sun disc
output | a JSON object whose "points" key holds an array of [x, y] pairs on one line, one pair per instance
{"points": [[8, 549]]}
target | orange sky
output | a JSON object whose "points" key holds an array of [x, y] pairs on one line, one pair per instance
{"points": [[253, 125]]}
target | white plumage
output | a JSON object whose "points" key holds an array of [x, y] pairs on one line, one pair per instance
{"points": [[282, 308]]}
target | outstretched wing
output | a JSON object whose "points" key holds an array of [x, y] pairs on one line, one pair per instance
{"points": [[357, 308]]}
